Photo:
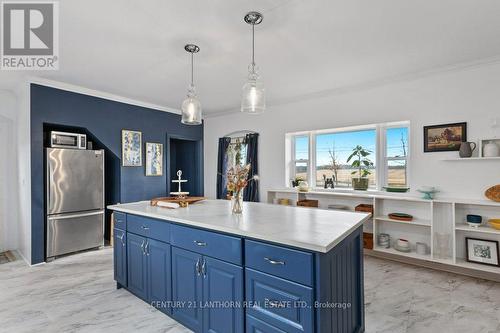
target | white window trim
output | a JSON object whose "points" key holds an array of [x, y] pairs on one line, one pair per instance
{"points": [[380, 158]]}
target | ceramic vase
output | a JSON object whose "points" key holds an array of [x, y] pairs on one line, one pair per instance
{"points": [[466, 149], [237, 202], [491, 149]]}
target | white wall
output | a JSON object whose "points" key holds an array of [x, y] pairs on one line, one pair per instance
{"points": [[8, 172], [471, 94]]}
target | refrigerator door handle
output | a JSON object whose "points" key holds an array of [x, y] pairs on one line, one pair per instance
{"points": [[72, 216]]}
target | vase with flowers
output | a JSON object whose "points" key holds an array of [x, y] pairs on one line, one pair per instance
{"points": [[237, 180]]}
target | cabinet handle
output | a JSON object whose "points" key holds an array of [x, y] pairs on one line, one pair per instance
{"points": [[200, 243], [273, 303], [146, 248], [204, 268], [121, 239], [145, 228], [142, 247], [274, 262], [198, 271]]}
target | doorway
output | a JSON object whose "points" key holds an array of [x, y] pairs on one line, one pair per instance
{"points": [[186, 155]]}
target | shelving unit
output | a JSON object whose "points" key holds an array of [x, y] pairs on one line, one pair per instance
{"points": [[419, 222], [472, 159], [434, 221]]}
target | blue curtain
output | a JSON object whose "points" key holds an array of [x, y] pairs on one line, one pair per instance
{"points": [[222, 167], [251, 192]]}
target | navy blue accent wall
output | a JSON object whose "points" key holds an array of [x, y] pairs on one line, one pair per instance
{"points": [[104, 119]]}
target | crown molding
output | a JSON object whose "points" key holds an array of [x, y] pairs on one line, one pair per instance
{"points": [[407, 77], [100, 94]]}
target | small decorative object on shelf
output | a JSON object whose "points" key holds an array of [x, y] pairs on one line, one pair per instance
{"points": [[474, 221], [384, 240], [303, 186], [428, 192], [482, 251], [363, 164], [237, 180], [495, 223], [466, 149], [284, 202], [368, 240], [308, 203], [490, 148], [493, 193], [366, 208], [401, 217], [421, 248], [328, 182], [296, 181], [402, 245], [397, 189]]}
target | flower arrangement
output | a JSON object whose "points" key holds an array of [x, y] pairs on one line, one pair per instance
{"points": [[237, 180]]}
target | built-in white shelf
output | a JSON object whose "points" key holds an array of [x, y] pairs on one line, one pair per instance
{"points": [[482, 228], [485, 268], [419, 222], [412, 254], [434, 217], [472, 159]]}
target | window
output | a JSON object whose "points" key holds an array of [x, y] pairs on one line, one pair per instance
{"points": [[323, 155], [396, 162], [301, 157], [333, 150]]}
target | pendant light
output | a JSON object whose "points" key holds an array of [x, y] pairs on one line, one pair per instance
{"points": [[253, 99], [191, 107]]}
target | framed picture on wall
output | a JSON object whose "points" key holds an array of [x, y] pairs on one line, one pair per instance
{"points": [[131, 148], [446, 137], [482, 251], [154, 159]]}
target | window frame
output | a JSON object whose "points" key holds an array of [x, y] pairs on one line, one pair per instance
{"points": [[381, 160], [385, 159]]}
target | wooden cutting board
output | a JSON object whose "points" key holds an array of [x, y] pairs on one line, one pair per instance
{"points": [[181, 202], [493, 193]]}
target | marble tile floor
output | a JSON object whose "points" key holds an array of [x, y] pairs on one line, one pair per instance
{"points": [[78, 294]]}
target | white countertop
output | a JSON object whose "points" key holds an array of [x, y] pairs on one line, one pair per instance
{"points": [[307, 228]]}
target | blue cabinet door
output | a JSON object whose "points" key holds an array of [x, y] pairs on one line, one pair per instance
{"points": [[222, 297], [137, 266], [120, 256], [159, 274], [187, 288]]}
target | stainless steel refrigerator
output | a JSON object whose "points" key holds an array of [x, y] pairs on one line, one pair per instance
{"points": [[75, 200]]}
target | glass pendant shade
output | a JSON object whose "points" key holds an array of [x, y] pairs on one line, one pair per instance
{"points": [[253, 98], [191, 108]]}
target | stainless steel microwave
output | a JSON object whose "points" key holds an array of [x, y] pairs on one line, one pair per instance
{"points": [[68, 140]]}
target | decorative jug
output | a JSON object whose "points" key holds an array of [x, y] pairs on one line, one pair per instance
{"points": [[466, 149]]}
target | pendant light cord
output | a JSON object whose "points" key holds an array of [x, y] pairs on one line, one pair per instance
{"points": [[253, 46], [192, 69]]}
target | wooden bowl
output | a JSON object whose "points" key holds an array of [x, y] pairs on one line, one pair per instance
{"points": [[495, 223], [493, 193]]}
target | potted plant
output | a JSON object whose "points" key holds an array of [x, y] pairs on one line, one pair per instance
{"points": [[363, 164]]}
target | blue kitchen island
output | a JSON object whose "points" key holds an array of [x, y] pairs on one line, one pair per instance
{"points": [[273, 269]]}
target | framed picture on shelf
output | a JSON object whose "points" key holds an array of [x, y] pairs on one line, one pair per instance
{"points": [[131, 148], [154, 159], [446, 137], [482, 251]]}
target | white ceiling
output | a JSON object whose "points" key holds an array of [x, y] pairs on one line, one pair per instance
{"points": [[135, 48]]}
